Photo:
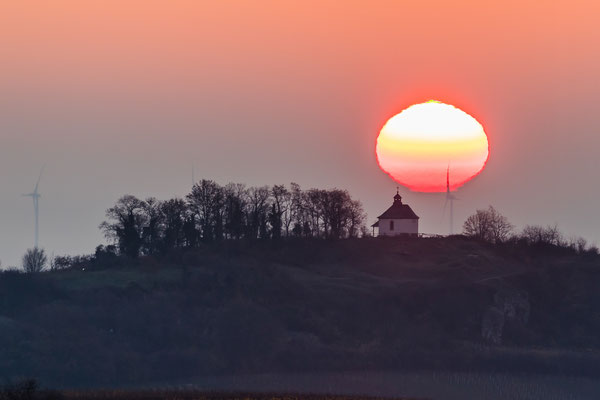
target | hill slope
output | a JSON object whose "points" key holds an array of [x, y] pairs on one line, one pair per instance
{"points": [[298, 305]]}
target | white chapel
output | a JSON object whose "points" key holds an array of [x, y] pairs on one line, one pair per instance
{"points": [[397, 220]]}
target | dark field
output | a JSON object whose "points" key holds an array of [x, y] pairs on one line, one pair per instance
{"points": [[433, 385], [203, 395], [352, 386], [346, 386]]}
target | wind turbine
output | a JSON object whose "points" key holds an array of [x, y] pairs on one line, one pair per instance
{"points": [[36, 197], [193, 174], [449, 198]]}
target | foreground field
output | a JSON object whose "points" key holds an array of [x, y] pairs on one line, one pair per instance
{"points": [[189, 394], [355, 386], [429, 385]]}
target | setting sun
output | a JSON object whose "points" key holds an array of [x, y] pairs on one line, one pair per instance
{"points": [[418, 145]]}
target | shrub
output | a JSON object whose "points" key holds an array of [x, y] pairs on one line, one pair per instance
{"points": [[34, 260], [488, 225]]}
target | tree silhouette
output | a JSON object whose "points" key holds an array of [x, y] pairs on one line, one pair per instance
{"points": [[205, 202], [258, 204], [153, 225], [173, 215], [488, 225], [34, 260], [127, 219]]}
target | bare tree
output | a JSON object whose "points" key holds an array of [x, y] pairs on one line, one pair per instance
{"points": [[258, 205], [173, 213], [500, 228], [298, 215], [313, 207], [235, 210], [336, 206], [578, 244], [288, 211], [488, 225], [34, 260], [153, 225], [477, 225], [357, 217], [536, 234], [206, 202], [125, 225], [279, 207]]}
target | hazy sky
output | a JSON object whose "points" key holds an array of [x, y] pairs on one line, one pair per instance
{"points": [[123, 96]]}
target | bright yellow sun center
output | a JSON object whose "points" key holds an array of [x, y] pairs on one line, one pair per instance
{"points": [[417, 146]]}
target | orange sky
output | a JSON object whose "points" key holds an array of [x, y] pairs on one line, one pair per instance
{"points": [[122, 96]]}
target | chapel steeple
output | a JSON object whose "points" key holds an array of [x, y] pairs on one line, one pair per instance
{"points": [[397, 197]]}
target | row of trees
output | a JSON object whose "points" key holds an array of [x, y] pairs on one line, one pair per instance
{"points": [[491, 226], [211, 212]]}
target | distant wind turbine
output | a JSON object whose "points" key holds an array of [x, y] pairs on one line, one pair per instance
{"points": [[193, 174], [35, 195], [449, 198]]}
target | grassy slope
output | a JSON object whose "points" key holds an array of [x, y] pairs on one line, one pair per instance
{"points": [[301, 306]]}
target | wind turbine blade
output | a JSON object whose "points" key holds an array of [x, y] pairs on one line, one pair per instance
{"points": [[445, 205], [38, 180], [448, 179]]}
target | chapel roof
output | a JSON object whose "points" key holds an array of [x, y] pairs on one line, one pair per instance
{"points": [[398, 210]]}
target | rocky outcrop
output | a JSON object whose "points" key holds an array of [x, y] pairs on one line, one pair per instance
{"points": [[509, 304], [492, 325]]}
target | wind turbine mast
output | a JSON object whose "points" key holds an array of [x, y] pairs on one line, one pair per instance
{"points": [[35, 195], [450, 198], [193, 174]]}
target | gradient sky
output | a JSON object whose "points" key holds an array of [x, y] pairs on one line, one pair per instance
{"points": [[123, 96]]}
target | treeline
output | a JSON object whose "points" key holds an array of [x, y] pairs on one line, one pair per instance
{"points": [[211, 212], [490, 226]]}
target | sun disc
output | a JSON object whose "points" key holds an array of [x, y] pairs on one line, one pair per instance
{"points": [[420, 144]]}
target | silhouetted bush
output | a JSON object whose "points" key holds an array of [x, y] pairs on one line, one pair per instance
{"points": [[488, 225], [28, 389], [34, 260], [543, 235]]}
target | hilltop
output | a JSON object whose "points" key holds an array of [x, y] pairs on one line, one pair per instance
{"points": [[452, 304]]}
